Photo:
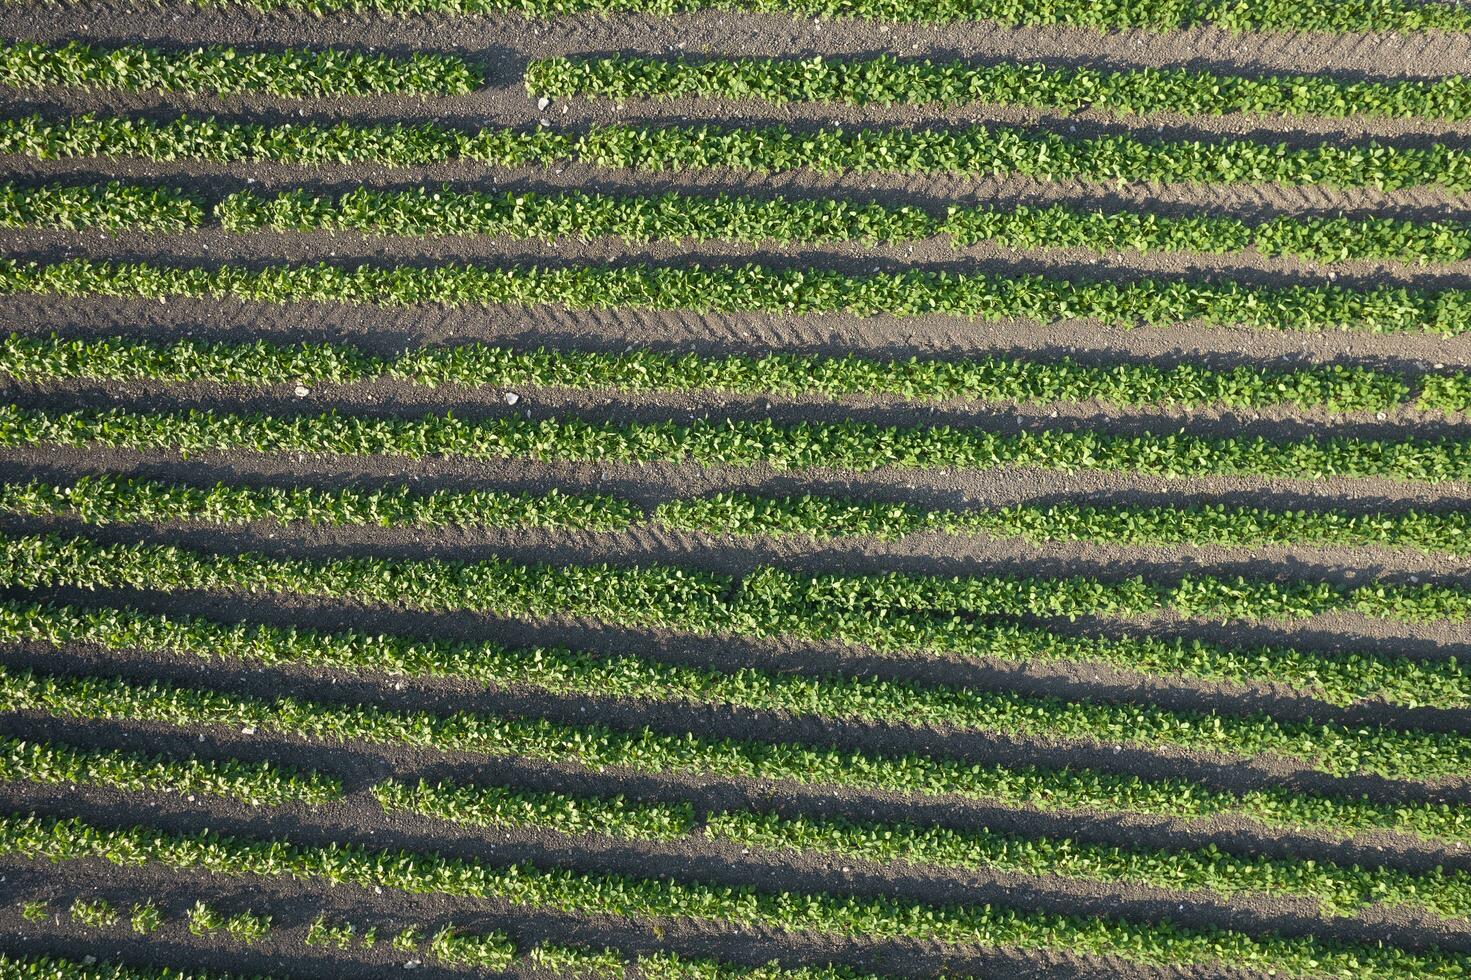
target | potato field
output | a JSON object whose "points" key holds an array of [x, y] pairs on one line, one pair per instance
{"points": [[735, 489]]}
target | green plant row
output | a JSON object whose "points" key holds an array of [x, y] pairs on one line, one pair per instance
{"points": [[20, 967], [450, 945], [878, 611], [832, 517], [1338, 890], [851, 446], [1231, 15], [252, 783], [885, 80], [106, 499], [257, 363], [759, 289], [977, 150], [504, 806], [1325, 746], [601, 749], [794, 912], [767, 601], [458, 949], [107, 207], [673, 215], [224, 70]]}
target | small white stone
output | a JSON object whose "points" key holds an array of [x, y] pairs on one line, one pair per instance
{"points": [[543, 102], [302, 391], [512, 398], [411, 964], [89, 960]]}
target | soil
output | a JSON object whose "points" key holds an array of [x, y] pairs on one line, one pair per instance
{"points": [[503, 46]]}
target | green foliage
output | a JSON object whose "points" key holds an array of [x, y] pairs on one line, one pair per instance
{"points": [[670, 966], [1340, 679], [1216, 524], [577, 962], [224, 70], [575, 213], [769, 600], [855, 446], [94, 913], [603, 749], [248, 927], [145, 917], [979, 149], [252, 783], [204, 920], [455, 948], [106, 499], [575, 892], [755, 288], [1339, 890], [34, 911], [324, 933], [499, 806], [1335, 388], [193, 138], [723, 217], [104, 207], [1231, 15], [59, 968], [885, 79]]}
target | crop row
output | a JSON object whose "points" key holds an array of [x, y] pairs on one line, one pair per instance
{"points": [[455, 949], [976, 150], [258, 363], [107, 207], [768, 600], [1339, 890], [887, 613], [146, 918], [255, 784], [831, 517], [601, 749], [223, 70], [852, 446], [675, 216], [574, 892], [763, 289], [1268, 15], [1325, 746], [885, 79], [22, 967], [106, 499]]}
